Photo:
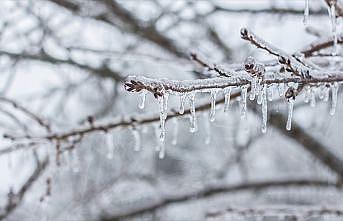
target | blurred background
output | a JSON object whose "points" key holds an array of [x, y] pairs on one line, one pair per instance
{"points": [[66, 60]]}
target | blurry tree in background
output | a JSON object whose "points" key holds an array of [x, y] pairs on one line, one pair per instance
{"points": [[244, 131]]}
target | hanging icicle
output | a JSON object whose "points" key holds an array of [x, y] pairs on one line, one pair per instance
{"points": [[176, 131], [326, 93], [142, 97], [270, 92], [162, 152], [74, 160], [307, 94], [333, 20], [290, 114], [244, 101], [163, 102], [334, 91], [259, 95], [321, 94], [207, 131], [227, 97], [264, 109], [110, 145], [253, 88], [281, 89], [193, 120], [312, 97], [182, 103], [306, 12], [157, 135], [137, 139], [213, 105]]}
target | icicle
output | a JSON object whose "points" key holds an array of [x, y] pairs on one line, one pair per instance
{"points": [[157, 135], [264, 109], [193, 120], [137, 139], [322, 89], [260, 95], [213, 105], [270, 93], [227, 96], [326, 93], [244, 101], [75, 161], [110, 145], [162, 152], [163, 101], [142, 97], [334, 91], [208, 132], [306, 12], [307, 94], [333, 19], [182, 103], [176, 131], [253, 88], [281, 89], [312, 98], [9, 161], [290, 114]]}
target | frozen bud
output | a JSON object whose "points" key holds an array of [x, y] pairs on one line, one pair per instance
{"points": [[244, 33], [253, 68], [291, 93], [249, 64]]}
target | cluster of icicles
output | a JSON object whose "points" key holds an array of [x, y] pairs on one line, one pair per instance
{"points": [[333, 21], [261, 93]]}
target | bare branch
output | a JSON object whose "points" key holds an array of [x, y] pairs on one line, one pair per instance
{"points": [[212, 191], [15, 199]]}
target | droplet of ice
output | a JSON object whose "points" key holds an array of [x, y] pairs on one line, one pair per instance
{"points": [[142, 97]]}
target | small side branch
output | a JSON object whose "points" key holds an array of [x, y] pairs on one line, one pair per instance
{"points": [[291, 63]]}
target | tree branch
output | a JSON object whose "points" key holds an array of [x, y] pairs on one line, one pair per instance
{"points": [[212, 191]]}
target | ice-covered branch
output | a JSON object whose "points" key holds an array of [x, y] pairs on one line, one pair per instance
{"points": [[320, 44], [160, 86], [292, 64]]}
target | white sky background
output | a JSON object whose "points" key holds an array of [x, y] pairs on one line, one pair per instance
{"points": [[34, 78]]}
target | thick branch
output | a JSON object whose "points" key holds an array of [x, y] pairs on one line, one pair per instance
{"points": [[212, 191], [158, 87]]}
